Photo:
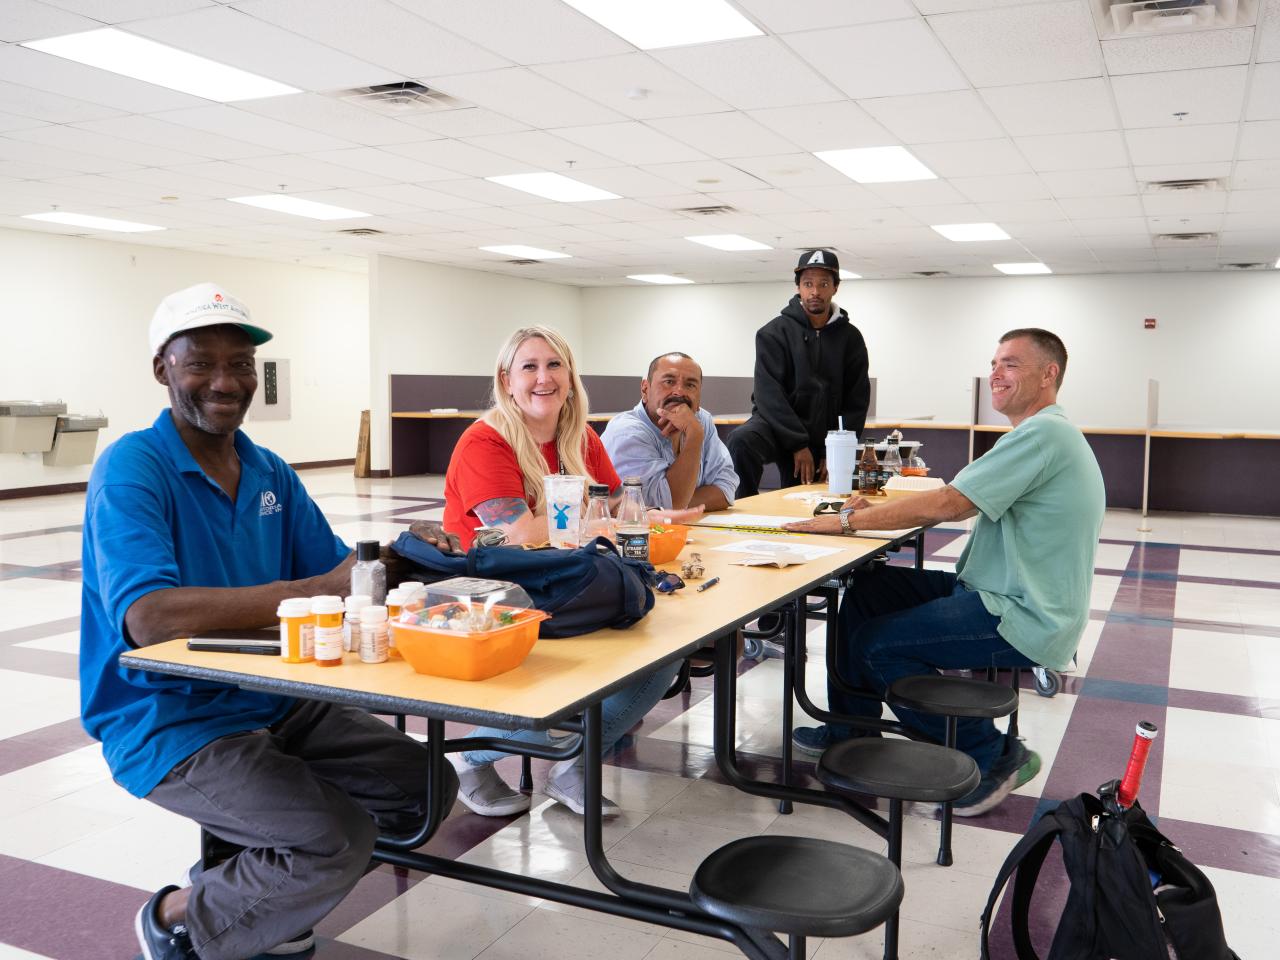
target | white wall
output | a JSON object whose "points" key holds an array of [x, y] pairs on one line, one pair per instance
{"points": [[425, 318], [73, 326], [1214, 349]]}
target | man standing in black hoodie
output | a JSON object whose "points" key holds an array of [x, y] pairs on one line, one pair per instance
{"points": [[811, 369]]}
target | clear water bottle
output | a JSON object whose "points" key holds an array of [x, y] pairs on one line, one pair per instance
{"points": [[598, 522], [369, 576], [891, 465], [633, 522]]}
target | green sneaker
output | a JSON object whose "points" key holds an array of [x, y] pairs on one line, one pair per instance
{"points": [[1029, 770], [1015, 767]]}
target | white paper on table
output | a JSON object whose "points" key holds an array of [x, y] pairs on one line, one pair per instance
{"points": [[794, 551]]}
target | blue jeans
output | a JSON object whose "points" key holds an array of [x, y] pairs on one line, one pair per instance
{"points": [[899, 622], [621, 711]]}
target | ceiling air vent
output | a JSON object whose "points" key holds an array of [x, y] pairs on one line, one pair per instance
{"points": [[1181, 186], [1123, 18], [399, 98], [524, 263], [362, 232], [711, 211], [931, 273], [1245, 266], [1185, 239]]}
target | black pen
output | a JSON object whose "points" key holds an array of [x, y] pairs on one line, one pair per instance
{"points": [[710, 583]]}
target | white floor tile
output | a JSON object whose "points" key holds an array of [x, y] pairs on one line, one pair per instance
{"points": [[58, 643], [27, 601], [553, 935], [38, 551], [33, 701]]}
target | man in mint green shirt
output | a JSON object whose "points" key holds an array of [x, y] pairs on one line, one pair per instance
{"points": [[1020, 593]]}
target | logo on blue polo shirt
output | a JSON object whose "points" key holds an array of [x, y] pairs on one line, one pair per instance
{"points": [[270, 504]]}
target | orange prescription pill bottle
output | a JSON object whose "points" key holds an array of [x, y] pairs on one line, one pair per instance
{"points": [[395, 599], [328, 613], [296, 642]]}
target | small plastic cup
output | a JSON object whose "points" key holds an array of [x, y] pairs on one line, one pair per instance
{"points": [[564, 507]]}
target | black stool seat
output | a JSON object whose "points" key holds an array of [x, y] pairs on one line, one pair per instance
{"points": [[952, 696], [797, 885], [898, 769]]}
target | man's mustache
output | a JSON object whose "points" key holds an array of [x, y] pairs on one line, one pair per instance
{"points": [[671, 401]]}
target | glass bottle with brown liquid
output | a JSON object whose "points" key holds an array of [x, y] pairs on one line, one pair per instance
{"points": [[868, 470]]}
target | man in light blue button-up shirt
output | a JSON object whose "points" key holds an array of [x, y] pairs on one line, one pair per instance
{"points": [[670, 442]]}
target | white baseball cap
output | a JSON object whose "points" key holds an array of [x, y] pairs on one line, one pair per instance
{"points": [[204, 305]]}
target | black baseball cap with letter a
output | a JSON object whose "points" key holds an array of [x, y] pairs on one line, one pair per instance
{"points": [[818, 260]]}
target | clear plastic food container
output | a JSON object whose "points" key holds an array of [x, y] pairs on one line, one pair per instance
{"points": [[468, 628]]}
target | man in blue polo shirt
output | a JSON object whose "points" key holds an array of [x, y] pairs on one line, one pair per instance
{"points": [[190, 527], [1020, 593]]}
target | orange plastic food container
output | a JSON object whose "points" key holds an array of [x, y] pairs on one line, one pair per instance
{"points": [[468, 656], [666, 541]]}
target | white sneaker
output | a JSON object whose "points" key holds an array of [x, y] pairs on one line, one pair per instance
{"points": [[565, 785], [482, 790]]}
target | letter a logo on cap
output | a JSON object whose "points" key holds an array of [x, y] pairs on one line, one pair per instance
{"points": [[817, 257]]}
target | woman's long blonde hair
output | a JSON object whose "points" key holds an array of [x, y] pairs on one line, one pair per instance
{"points": [[571, 428]]}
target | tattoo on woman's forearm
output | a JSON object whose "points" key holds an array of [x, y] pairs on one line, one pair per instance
{"points": [[501, 511]]}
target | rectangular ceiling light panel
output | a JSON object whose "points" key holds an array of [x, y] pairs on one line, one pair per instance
{"points": [[969, 232], [877, 164], [553, 186], [91, 223], [281, 203], [732, 242], [668, 23], [664, 278], [142, 59], [1019, 269], [521, 252], [849, 275]]}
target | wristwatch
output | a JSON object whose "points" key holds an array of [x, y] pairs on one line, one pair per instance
{"points": [[844, 521]]}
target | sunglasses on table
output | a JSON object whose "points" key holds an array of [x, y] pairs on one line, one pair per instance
{"points": [[828, 506], [669, 583]]}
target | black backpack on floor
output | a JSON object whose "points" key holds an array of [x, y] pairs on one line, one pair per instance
{"points": [[1133, 895], [585, 589]]}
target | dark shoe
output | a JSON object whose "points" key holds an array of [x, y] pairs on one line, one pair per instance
{"points": [[159, 942], [812, 741], [1013, 768]]}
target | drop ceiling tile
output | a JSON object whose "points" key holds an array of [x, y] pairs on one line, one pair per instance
{"points": [[935, 117], [1180, 51], [1101, 208], [1264, 93], [623, 209], [705, 174], [523, 31], [1254, 201], [634, 85], [425, 198], [1184, 203], [1022, 211], [1043, 41], [947, 213], [631, 142], [994, 189], [441, 220], [25, 101], [74, 80], [628, 182], [478, 192], [1122, 227], [897, 58], [825, 126], [462, 158], [526, 96], [564, 213], [1074, 151], [462, 122], [1256, 174], [377, 32], [505, 217], [292, 167], [239, 178], [750, 74], [1212, 95], [1269, 26], [916, 194], [11, 121], [262, 48], [121, 11], [30, 20], [1260, 140], [171, 136], [1203, 143], [974, 158], [324, 114], [183, 183], [721, 135], [785, 16], [791, 170], [20, 153], [87, 142], [1200, 223], [763, 202], [1061, 106], [238, 124], [1182, 171], [844, 196], [125, 192]]}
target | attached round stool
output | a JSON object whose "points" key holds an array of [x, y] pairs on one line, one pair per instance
{"points": [[798, 886], [951, 697], [897, 770]]}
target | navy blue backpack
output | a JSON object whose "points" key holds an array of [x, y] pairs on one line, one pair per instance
{"points": [[583, 589]]}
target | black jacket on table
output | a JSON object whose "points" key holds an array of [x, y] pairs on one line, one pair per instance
{"points": [[805, 378]]}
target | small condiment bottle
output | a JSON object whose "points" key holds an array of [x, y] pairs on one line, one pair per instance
{"points": [[297, 630], [374, 634], [395, 599], [328, 614], [351, 625], [415, 591]]}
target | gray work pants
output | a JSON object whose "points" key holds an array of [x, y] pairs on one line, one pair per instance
{"points": [[306, 798]]}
